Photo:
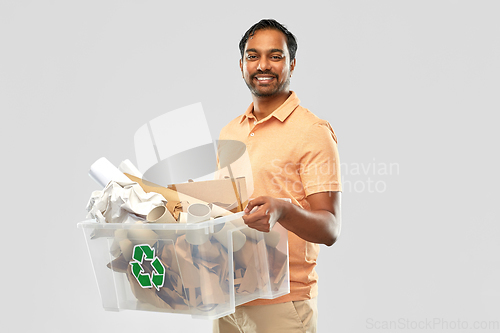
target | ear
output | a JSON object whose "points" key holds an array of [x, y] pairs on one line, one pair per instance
{"points": [[292, 65], [241, 68]]}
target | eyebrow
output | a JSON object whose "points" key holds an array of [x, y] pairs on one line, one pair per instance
{"points": [[271, 51]]}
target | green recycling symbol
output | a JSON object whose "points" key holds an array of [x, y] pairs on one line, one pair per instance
{"points": [[144, 251]]}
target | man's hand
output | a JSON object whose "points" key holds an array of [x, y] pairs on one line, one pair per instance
{"points": [[320, 224], [262, 213]]}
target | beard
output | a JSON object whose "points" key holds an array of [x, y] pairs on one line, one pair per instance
{"points": [[269, 90]]}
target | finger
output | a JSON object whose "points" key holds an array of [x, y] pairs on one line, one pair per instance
{"points": [[259, 222], [254, 203], [264, 227], [257, 213], [251, 218]]}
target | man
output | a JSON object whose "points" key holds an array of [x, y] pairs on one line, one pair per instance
{"points": [[293, 155]]}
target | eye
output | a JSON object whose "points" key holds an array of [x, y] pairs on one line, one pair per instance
{"points": [[276, 57], [251, 57]]}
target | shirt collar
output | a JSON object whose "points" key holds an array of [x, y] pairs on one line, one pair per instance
{"points": [[281, 113]]}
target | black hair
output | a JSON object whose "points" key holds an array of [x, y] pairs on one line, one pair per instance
{"points": [[264, 24]]}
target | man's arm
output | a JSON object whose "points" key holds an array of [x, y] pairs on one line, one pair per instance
{"points": [[319, 225]]}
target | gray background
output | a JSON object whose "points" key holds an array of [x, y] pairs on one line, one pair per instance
{"points": [[412, 84]]}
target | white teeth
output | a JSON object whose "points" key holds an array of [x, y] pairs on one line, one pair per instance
{"points": [[264, 78]]}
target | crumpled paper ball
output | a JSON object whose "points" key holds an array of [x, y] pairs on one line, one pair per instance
{"points": [[122, 202]]}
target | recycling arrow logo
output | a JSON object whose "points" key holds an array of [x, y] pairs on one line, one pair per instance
{"points": [[157, 278]]}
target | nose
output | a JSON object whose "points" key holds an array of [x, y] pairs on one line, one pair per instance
{"points": [[264, 64]]}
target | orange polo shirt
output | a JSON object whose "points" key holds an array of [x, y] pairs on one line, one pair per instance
{"points": [[293, 154]]}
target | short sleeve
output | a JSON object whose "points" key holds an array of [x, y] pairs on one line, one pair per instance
{"points": [[320, 165]]}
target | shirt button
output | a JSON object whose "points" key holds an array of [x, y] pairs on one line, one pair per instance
{"points": [[255, 122], [252, 134]]}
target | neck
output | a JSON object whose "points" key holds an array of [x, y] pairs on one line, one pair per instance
{"points": [[264, 106]]}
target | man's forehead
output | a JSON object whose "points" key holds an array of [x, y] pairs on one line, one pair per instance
{"points": [[268, 40]]}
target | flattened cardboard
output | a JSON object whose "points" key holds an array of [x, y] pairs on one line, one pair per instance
{"points": [[249, 282], [221, 192], [245, 256], [211, 292], [145, 295], [119, 265], [148, 187], [175, 208], [174, 196], [209, 251], [190, 273]]}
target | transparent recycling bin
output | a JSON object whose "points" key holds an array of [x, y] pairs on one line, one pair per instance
{"points": [[203, 269]]}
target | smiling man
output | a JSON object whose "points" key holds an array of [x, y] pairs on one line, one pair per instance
{"points": [[266, 65], [293, 155]]}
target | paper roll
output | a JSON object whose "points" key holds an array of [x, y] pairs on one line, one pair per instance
{"points": [[218, 211], [160, 214], [142, 236], [238, 237], [197, 236], [103, 171], [198, 212], [128, 167], [126, 246], [120, 234]]}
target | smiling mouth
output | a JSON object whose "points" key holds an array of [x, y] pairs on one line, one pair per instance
{"points": [[264, 78]]}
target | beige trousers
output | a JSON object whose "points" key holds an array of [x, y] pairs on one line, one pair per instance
{"points": [[290, 317]]}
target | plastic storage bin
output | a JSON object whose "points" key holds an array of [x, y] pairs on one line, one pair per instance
{"points": [[203, 269]]}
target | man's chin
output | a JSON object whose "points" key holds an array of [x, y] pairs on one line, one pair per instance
{"points": [[264, 92]]}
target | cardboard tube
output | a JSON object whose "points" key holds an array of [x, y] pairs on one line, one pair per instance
{"points": [[197, 236], [218, 211], [160, 214], [126, 247], [120, 234], [238, 237], [142, 236], [198, 212]]}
